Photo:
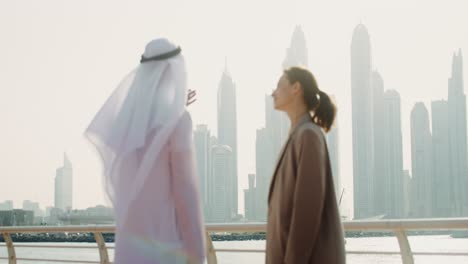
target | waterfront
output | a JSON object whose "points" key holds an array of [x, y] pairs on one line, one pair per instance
{"points": [[440, 243]]}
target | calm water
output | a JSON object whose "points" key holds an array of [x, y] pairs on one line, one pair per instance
{"points": [[418, 244]]}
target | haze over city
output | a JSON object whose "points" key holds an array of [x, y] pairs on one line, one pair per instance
{"points": [[60, 61]]}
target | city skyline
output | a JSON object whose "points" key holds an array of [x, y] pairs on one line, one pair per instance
{"points": [[384, 188], [54, 79], [389, 185], [386, 109], [393, 202]]}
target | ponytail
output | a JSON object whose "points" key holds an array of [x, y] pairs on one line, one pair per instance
{"points": [[318, 102], [325, 112]]}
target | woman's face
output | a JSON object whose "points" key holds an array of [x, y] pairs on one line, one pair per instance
{"points": [[285, 93]]}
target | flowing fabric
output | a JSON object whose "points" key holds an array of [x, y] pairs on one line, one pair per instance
{"points": [[134, 133]]}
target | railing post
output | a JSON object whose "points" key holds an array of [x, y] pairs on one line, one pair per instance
{"points": [[405, 249], [210, 250], [10, 248], [104, 257]]}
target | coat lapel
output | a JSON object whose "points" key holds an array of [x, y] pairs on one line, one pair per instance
{"points": [[306, 117]]}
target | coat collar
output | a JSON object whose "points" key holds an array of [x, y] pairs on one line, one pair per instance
{"points": [[305, 118], [302, 120]]}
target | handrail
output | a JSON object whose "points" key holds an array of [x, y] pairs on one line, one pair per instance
{"points": [[398, 227]]}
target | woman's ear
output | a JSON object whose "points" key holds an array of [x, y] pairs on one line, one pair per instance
{"points": [[297, 88]]}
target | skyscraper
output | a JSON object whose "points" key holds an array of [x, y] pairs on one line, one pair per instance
{"points": [[227, 131], [457, 137], [377, 85], [362, 123], [296, 54], [442, 178], [202, 141], [64, 186], [220, 204], [393, 156], [249, 199], [264, 170], [421, 162]]}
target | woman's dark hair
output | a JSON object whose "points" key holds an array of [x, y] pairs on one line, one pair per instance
{"points": [[319, 102]]}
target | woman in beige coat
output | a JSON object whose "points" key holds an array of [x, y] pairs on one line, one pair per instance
{"points": [[304, 223]]}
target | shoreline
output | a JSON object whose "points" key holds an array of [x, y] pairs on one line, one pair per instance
{"points": [[216, 237]]}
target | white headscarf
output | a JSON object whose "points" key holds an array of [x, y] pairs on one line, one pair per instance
{"points": [[150, 99]]}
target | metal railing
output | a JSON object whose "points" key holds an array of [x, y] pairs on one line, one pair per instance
{"points": [[398, 227]]}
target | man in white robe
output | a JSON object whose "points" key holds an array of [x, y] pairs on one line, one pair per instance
{"points": [[144, 136]]}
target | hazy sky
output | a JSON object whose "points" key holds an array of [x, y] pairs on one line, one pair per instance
{"points": [[59, 61]]}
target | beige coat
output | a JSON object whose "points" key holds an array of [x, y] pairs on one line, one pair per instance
{"points": [[304, 224]]}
